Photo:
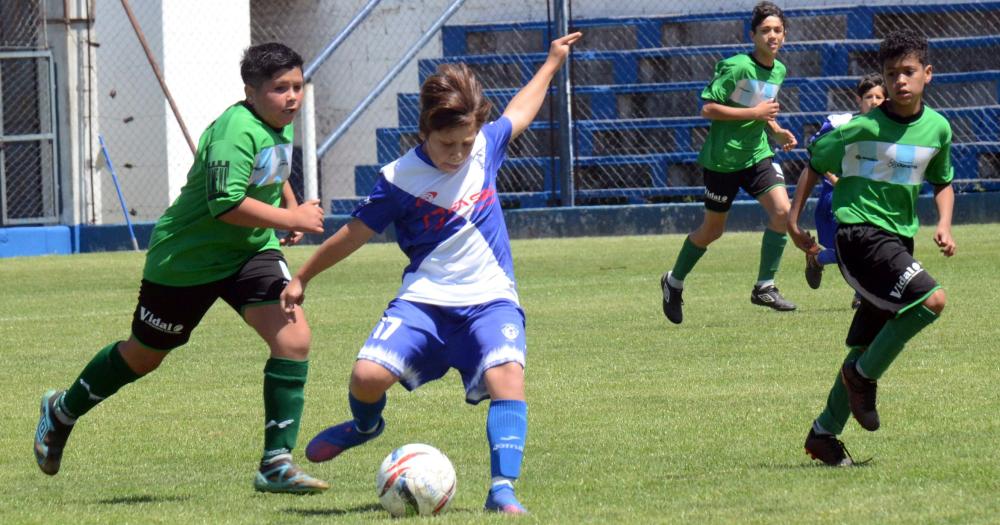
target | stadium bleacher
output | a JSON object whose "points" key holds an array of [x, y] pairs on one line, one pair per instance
{"points": [[637, 81]]}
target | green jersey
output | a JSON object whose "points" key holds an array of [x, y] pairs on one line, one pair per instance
{"points": [[882, 160], [239, 156], [739, 82]]}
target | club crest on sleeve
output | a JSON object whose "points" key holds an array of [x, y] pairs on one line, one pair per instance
{"points": [[510, 331]]}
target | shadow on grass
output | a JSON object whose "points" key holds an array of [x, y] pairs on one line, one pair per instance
{"points": [[361, 509], [140, 499]]}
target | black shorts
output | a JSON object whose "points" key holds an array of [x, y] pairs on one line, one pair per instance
{"points": [[721, 188], [880, 266], [166, 315]]}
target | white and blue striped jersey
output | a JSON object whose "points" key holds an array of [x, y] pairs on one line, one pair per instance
{"points": [[449, 225]]}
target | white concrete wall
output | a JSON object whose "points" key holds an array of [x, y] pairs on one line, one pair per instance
{"points": [[198, 46]]}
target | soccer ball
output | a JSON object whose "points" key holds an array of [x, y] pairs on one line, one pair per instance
{"points": [[415, 479]]}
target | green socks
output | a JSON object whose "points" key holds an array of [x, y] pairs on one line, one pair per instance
{"points": [[771, 248], [890, 340], [837, 410], [102, 377], [284, 386], [686, 259]]}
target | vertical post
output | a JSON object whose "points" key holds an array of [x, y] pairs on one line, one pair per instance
{"points": [[564, 110], [310, 168]]}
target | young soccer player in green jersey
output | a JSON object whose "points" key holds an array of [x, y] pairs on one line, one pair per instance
{"points": [[882, 158], [741, 103], [217, 240]]}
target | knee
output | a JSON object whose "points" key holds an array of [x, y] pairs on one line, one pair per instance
{"points": [[706, 235], [779, 217], [936, 301], [293, 345], [370, 380], [140, 359]]}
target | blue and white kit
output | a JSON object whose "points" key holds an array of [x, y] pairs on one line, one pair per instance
{"points": [[826, 223], [457, 306]]}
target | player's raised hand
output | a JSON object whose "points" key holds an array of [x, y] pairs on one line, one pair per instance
{"points": [[944, 240], [292, 295], [308, 217], [767, 110], [559, 49]]}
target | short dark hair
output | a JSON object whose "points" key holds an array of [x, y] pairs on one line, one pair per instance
{"points": [[764, 10], [262, 61], [902, 43], [869, 81], [452, 97]]}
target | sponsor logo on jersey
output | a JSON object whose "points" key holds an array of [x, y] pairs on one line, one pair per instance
{"points": [[904, 279], [893, 163], [154, 321], [862, 157], [510, 331], [438, 217], [715, 197]]}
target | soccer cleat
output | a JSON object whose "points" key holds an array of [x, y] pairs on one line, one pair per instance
{"points": [[283, 476], [828, 449], [770, 296], [50, 435], [814, 271], [672, 301], [861, 396], [501, 499], [331, 442]]}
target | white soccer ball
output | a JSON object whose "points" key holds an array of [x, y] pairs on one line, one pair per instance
{"points": [[415, 479]]}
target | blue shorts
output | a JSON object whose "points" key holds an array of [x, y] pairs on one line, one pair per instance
{"points": [[419, 342], [826, 223]]}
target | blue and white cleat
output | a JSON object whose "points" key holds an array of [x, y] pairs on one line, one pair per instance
{"points": [[331, 442], [50, 435], [280, 475], [501, 499]]}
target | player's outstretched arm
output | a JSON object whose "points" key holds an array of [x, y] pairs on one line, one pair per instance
{"points": [[344, 242], [803, 189], [252, 213], [944, 199], [525, 105]]}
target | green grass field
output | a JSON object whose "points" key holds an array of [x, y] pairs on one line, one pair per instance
{"points": [[632, 420]]}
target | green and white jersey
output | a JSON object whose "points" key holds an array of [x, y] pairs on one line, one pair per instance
{"points": [[739, 82], [882, 160], [238, 156]]}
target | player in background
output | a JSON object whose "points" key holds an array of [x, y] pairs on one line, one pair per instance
{"points": [[869, 93], [741, 103], [458, 305], [217, 240], [882, 158]]}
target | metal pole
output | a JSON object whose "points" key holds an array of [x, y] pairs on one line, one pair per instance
{"points": [[159, 75], [564, 110], [389, 77], [310, 166], [313, 66]]}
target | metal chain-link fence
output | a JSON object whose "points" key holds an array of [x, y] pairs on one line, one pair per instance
{"points": [[636, 80], [28, 183]]}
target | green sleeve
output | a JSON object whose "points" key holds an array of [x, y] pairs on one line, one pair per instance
{"points": [[228, 166], [827, 152], [723, 83], [939, 170]]}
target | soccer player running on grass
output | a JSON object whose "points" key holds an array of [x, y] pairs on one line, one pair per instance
{"points": [[217, 240], [458, 304], [741, 103], [869, 93], [882, 159]]}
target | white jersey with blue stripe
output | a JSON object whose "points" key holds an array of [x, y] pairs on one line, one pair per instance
{"points": [[450, 225]]}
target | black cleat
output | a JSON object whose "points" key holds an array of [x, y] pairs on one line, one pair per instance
{"points": [[771, 297], [861, 396], [50, 435], [828, 449], [672, 301], [814, 271]]}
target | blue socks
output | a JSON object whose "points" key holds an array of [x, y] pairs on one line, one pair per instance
{"points": [[506, 430], [827, 256], [366, 415]]}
